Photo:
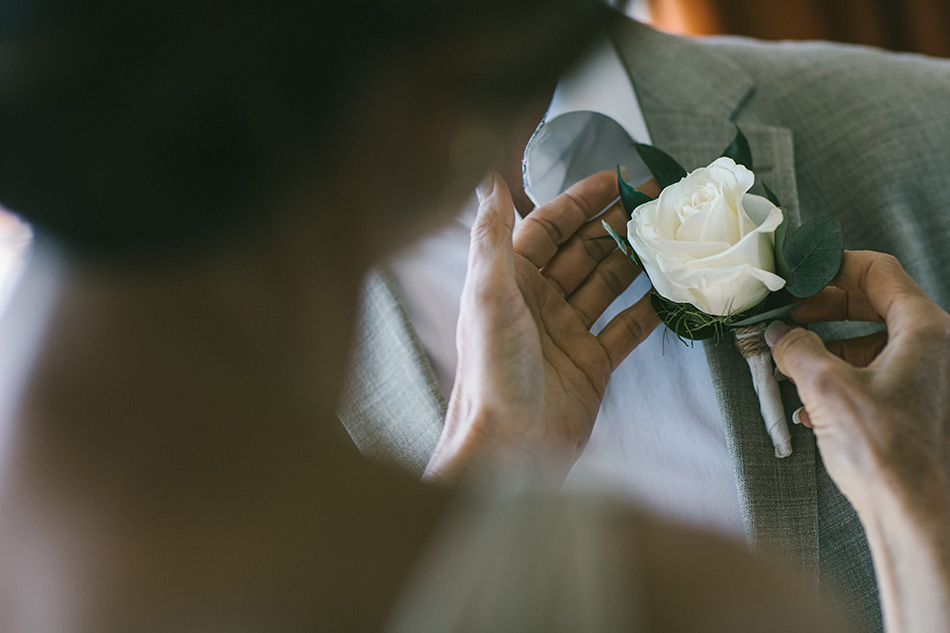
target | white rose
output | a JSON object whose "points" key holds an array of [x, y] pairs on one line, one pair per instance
{"points": [[707, 242]]}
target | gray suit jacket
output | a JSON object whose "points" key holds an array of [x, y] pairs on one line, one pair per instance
{"points": [[854, 133]]}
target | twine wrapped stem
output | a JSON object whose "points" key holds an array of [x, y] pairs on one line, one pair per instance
{"points": [[751, 343]]}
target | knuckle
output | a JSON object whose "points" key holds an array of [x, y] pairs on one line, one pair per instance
{"points": [[878, 257], [888, 260], [586, 319], [579, 203], [558, 288], [596, 249], [611, 279], [637, 330], [882, 266], [553, 232], [484, 230]]}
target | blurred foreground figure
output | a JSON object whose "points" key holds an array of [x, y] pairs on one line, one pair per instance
{"points": [[208, 188]]}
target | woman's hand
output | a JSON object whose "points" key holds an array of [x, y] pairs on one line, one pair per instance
{"points": [[880, 408], [880, 404], [530, 375]]}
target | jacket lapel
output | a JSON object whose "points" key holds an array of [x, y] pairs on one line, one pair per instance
{"points": [[691, 99], [392, 407]]}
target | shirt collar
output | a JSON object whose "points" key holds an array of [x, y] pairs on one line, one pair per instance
{"points": [[590, 124]]}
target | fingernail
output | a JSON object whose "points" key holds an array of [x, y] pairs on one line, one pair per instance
{"points": [[797, 415], [485, 187], [775, 332], [625, 173], [779, 376]]}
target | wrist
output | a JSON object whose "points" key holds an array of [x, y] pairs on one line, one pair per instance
{"points": [[457, 448], [921, 507], [910, 547], [495, 441]]}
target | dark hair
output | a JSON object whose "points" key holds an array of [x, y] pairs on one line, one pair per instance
{"points": [[131, 125]]}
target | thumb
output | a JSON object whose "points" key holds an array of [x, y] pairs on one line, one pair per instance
{"points": [[802, 356], [494, 224]]}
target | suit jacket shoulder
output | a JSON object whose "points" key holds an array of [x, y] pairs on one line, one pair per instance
{"points": [[871, 133]]}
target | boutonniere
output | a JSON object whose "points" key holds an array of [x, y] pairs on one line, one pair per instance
{"points": [[722, 259]]}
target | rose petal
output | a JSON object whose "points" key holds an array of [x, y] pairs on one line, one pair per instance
{"points": [[706, 242], [718, 223], [725, 290], [758, 209], [743, 177]]}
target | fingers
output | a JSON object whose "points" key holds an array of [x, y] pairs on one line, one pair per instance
{"points": [[835, 304], [860, 351], [603, 286], [870, 287], [802, 356], [627, 330], [548, 227], [581, 254]]}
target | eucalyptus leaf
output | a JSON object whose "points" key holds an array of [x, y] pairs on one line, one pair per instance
{"points": [[777, 313], [739, 150], [629, 196], [813, 252], [663, 166], [781, 263]]}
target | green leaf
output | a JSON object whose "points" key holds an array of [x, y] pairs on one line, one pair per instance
{"points": [[686, 321], [663, 166], [629, 196], [813, 252], [781, 263], [739, 151], [771, 195], [777, 313], [622, 244]]}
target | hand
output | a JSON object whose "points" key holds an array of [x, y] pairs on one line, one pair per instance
{"points": [[880, 404], [880, 408], [530, 375]]}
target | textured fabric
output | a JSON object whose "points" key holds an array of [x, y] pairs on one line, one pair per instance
{"points": [[854, 133], [531, 563], [391, 407]]}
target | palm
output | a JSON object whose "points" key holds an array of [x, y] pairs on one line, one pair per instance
{"points": [[530, 373], [574, 364]]}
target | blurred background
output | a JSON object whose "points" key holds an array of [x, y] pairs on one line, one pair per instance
{"points": [[901, 25], [919, 26]]}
